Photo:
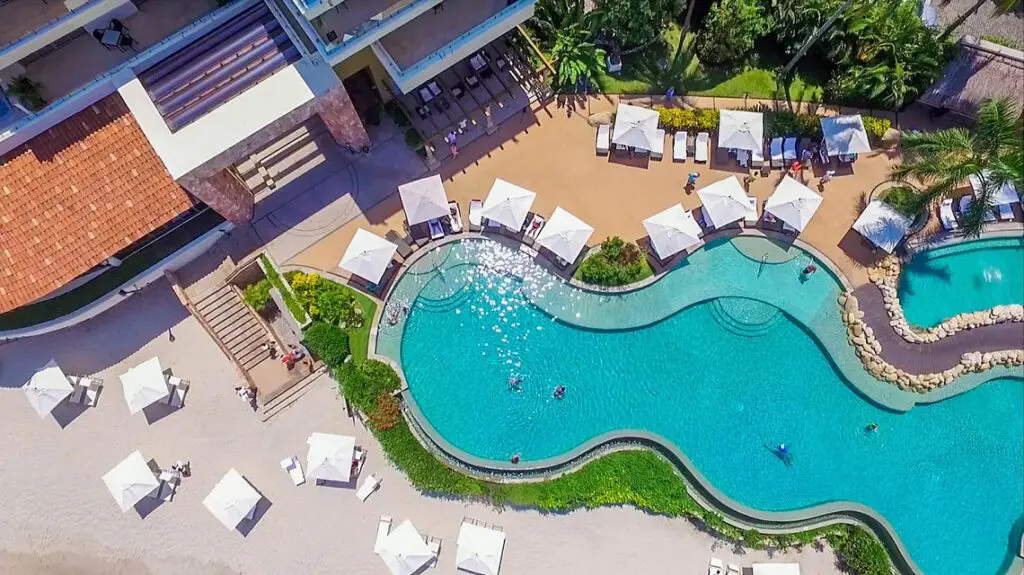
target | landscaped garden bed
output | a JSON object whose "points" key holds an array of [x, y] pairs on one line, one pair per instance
{"points": [[615, 263]]}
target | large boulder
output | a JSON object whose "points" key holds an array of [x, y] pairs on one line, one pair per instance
{"points": [[600, 119]]}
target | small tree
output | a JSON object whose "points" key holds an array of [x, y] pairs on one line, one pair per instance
{"points": [[386, 413], [636, 24], [257, 295], [574, 56], [730, 30]]}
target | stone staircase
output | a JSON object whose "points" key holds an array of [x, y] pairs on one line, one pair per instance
{"points": [[268, 168], [235, 325]]}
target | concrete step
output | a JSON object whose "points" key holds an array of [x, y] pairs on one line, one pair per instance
{"points": [[216, 298], [289, 396]]}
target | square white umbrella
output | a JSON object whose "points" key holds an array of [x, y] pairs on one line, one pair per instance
{"points": [[368, 255], [1005, 194], [330, 457], [775, 568], [232, 499], [742, 130], [508, 204], [48, 387], [144, 384], [793, 203], [635, 127], [424, 200], [725, 202], [131, 481], [672, 231], [479, 549], [882, 224], [565, 235], [845, 135], [404, 551]]}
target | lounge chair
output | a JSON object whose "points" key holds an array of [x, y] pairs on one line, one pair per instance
{"points": [[789, 151], [716, 566], [475, 218], [455, 217], [177, 389], [679, 147], [700, 149], [658, 151], [371, 484], [757, 158], [294, 469], [947, 216], [434, 544], [87, 390], [965, 206], [743, 158], [733, 569], [1005, 212], [776, 153], [436, 231], [404, 249], [383, 528], [603, 139], [823, 154], [751, 221], [357, 461]]}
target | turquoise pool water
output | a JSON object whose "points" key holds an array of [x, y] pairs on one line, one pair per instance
{"points": [[724, 379], [970, 276]]}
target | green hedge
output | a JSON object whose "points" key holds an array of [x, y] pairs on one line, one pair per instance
{"points": [[860, 551], [691, 120], [257, 295], [617, 263], [328, 342], [298, 312], [776, 123]]}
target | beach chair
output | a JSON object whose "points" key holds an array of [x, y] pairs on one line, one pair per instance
{"points": [[371, 484], [1005, 212], [434, 544], [700, 149], [455, 217], [965, 206], [789, 151], [947, 216], [358, 459], [436, 230], [658, 151], [823, 154], [404, 249], [294, 469], [733, 569], [751, 221], [475, 217], [757, 158], [679, 147], [168, 485], [603, 139], [383, 528], [178, 389], [716, 566], [87, 390], [775, 148]]}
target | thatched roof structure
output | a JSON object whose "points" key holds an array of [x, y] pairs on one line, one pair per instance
{"points": [[980, 72]]}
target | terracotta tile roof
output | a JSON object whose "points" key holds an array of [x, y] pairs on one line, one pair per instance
{"points": [[75, 195]]}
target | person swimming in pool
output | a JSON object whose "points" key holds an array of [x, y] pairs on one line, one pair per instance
{"points": [[515, 382], [559, 392]]}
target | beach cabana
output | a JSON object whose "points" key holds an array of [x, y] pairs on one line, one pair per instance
{"points": [[368, 256], [635, 127], [479, 549], [232, 500], [793, 203], [672, 231], [424, 200], [48, 387], [882, 225], [775, 568], [508, 204], [404, 551], [330, 457], [131, 481], [844, 135], [144, 385], [565, 235], [725, 202], [740, 130]]}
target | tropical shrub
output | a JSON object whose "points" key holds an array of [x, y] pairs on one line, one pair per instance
{"points": [[387, 412], [876, 127], [27, 92], [617, 263], [730, 30], [363, 382], [905, 199], [257, 295], [327, 301], [575, 56], [326, 341], [860, 551], [552, 16], [635, 24], [793, 21], [298, 312], [394, 109], [1001, 40], [700, 120]]}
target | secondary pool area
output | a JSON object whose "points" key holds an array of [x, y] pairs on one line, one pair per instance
{"points": [[728, 356], [964, 277]]}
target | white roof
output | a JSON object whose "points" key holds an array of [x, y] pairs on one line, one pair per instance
{"points": [[844, 135], [330, 457], [48, 387], [424, 199], [479, 549], [725, 201], [130, 481], [508, 204], [232, 499], [882, 224], [635, 127], [672, 231], [404, 551], [776, 568], [1006, 194], [144, 385], [368, 255], [793, 203], [565, 235], [739, 129]]}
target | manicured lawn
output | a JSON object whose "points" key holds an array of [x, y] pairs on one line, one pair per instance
{"points": [[359, 339]]}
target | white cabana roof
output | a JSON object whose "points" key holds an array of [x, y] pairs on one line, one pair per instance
{"points": [[424, 200], [882, 224], [330, 457], [776, 568], [368, 255], [144, 385], [1005, 194], [565, 235], [232, 499], [793, 203], [725, 201], [130, 481], [742, 130], [479, 550], [404, 551], [635, 127], [48, 387], [508, 204], [672, 231], [844, 135]]}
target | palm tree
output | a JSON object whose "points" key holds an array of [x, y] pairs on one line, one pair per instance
{"points": [[574, 55], [943, 161], [1002, 7], [551, 16]]}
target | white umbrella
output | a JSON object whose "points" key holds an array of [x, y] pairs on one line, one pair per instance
{"points": [[844, 135], [144, 385], [775, 568], [507, 204], [48, 387], [368, 255], [565, 235], [404, 551], [131, 481], [742, 130], [424, 200], [882, 224], [725, 201], [635, 127], [330, 457], [1006, 194], [672, 231], [793, 203], [232, 499], [479, 550]]}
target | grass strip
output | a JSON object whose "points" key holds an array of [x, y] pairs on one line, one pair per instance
{"points": [[298, 312]]}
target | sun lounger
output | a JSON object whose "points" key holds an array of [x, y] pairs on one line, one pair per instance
{"points": [[700, 149], [716, 566], [947, 216], [533, 228], [294, 469], [658, 151], [368, 487], [751, 220], [789, 151], [455, 217], [757, 158], [679, 146], [965, 206], [87, 390], [357, 462], [475, 217], [776, 153], [434, 544], [743, 158], [168, 485], [436, 231], [1005, 212], [733, 569], [603, 139], [383, 528], [177, 388], [404, 249]]}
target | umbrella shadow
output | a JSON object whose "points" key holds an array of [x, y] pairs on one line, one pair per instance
{"points": [[350, 484], [147, 506], [65, 412], [154, 412], [247, 525]]}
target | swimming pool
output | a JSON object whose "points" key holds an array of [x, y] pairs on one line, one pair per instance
{"points": [[970, 276], [733, 374]]}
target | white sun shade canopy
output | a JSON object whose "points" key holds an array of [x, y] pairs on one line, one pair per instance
{"points": [[741, 130], [368, 255], [508, 204], [48, 387], [793, 203], [479, 549], [424, 200], [330, 457], [635, 127], [844, 135], [232, 499], [1005, 194], [776, 568], [130, 481], [882, 224], [725, 202], [672, 231], [565, 235], [404, 551], [144, 385]]}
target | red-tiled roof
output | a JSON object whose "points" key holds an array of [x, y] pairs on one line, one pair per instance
{"points": [[75, 195]]}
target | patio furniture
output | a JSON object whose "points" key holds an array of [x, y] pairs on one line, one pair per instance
{"points": [[775, 148], [789, 151], [658, 149], [965, 206], [679, 147], [477, 62], [793, 203], [434, 544], [472, 81], [603, 137], [750, 220], [371, 484], [404, 249], [733, 569], [144, 385], [233, 500], [455, 217], [671, 231], [1005, 212], [716, 566], [533, 229], [436, 230], [882, 225], [131, 481], [177, 389], [823, 153], [743, 158], [475, 217], [946, 215], [383, 527], [87, 390], [700, 151], [169, 481], [757, 157], [294, 469], [425, 95]]}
